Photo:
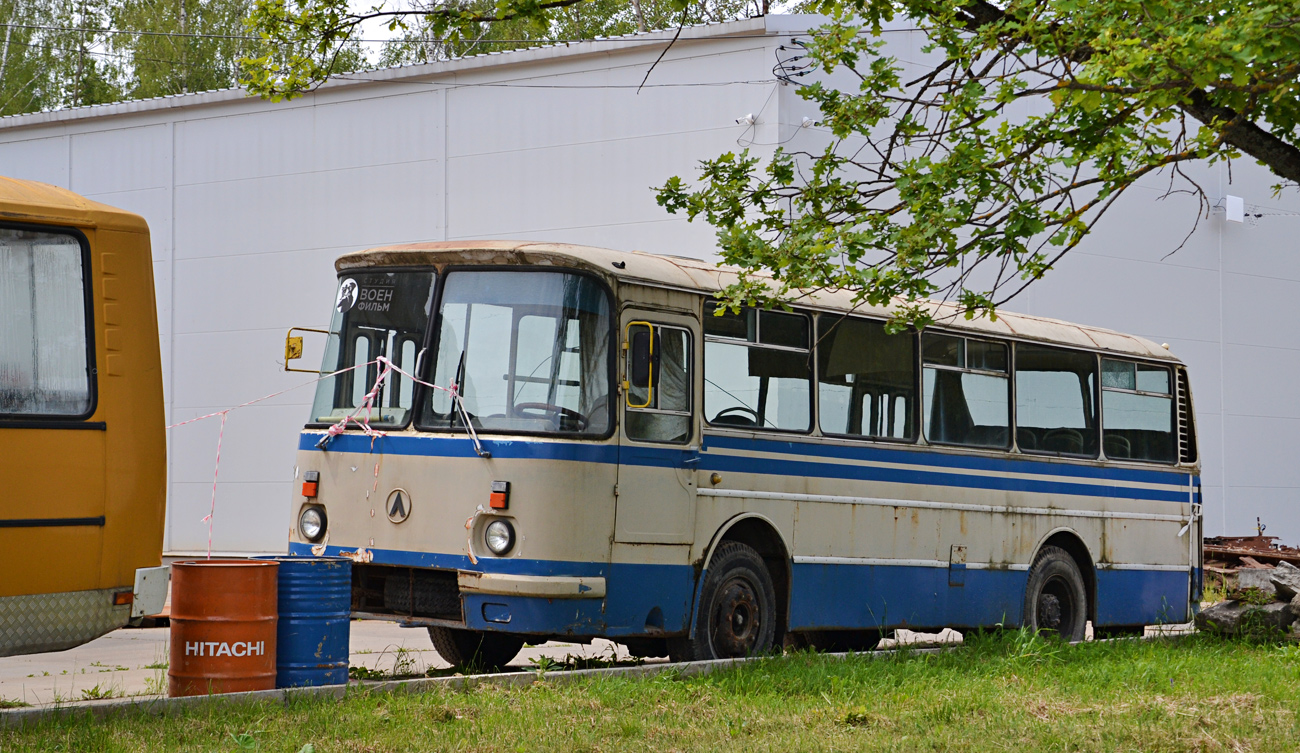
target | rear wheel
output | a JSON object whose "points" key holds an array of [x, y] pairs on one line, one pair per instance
{"points": [[737, 614], [1056, 599], [473, 649]]}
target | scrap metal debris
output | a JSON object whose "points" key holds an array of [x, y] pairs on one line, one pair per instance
{"points": [[1236, 563], [1250, 551]]}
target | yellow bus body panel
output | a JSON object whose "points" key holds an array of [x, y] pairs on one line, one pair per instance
{"points": [[117, 471]]}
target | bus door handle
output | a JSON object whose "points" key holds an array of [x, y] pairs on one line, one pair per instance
{"points": [[690, 460]]}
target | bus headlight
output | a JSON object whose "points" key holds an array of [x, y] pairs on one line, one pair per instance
{"points": [[499, 537], [311, 523]]}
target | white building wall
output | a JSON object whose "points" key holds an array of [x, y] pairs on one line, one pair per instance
{"points": [[249, 203]]}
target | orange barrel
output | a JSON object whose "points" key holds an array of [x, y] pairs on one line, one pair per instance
{"points": [[223, 619]]}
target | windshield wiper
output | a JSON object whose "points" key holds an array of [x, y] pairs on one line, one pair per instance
{"points": [[460, 407]]}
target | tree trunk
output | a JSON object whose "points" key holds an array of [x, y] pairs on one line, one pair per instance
{"points": [[185, 44], [640, 19]]}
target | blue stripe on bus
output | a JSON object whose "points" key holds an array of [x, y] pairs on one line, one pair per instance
{"points": [[931, 478], [461, 447], [847, 596], [633, 593], [823, 596], [878, 454], [1142, 597], [508, 566]]}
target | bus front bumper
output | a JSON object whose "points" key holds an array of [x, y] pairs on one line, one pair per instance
{"points": [[543, 586]]}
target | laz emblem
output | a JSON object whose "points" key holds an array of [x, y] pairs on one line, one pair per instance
{"points": [[398, 505]]}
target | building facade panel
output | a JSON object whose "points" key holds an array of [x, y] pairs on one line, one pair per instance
{"points": [[249, 203]]}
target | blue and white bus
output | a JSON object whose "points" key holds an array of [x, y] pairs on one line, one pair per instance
{"points": [[531, 441]]}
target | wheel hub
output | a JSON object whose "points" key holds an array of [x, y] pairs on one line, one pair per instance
{"points": [[736, 623], [1049, 612]]}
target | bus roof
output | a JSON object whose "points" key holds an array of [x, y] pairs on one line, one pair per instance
{"points": [[685, 273], [29, 201]]}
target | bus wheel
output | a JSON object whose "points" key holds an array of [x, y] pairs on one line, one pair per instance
{"points": [[737, 615], [1056, 600], [473, 649]]}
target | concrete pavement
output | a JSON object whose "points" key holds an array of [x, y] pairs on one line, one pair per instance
{"points": [[133, 662]]}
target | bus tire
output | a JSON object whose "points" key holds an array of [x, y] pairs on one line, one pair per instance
{"points": [[737, 613], [474, 649], [1056, 598]]}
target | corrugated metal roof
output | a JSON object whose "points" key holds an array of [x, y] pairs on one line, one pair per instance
{"points": [[695, 274], [598, 46]]}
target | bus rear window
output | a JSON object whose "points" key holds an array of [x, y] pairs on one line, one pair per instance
{"points": [[44, 366], [375, 314]]}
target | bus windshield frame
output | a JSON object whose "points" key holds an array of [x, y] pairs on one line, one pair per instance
{"points": [[585, 344]]}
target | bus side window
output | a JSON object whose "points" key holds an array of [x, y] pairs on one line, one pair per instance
{"points": [[1055, 401], [658, 394], [1137, 411], [866, 378], [967, 393], [757, 369]]}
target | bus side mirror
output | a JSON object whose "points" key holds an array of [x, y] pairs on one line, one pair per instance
{"points": [[293, 348]]}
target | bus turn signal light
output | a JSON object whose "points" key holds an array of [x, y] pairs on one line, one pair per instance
{"points": [[500, 499], [122, 598], [310, 480]]}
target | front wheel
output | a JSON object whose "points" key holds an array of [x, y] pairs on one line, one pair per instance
{"points": [[737, 614], [473, 649], [1056, 599]]}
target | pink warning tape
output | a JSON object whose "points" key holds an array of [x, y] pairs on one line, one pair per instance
{"points": [[364, 410]]}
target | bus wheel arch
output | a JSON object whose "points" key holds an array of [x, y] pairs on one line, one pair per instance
{"points": [[762, 535], [1068, 542]]}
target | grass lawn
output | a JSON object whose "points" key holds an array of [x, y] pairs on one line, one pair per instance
{"points": [[1004, 692]]}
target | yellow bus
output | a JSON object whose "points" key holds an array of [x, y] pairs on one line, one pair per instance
{"points": [[82, 452], [526, 441]]}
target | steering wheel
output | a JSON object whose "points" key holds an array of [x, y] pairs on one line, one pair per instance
{"points": [[753, 420], [551, 410]]}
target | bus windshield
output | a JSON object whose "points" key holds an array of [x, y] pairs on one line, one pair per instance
{"points": [[528, 351], [376, 313]]}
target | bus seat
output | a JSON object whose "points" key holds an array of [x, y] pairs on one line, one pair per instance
{"points": [[1063, 440], [1117, 446], [987, 436]]}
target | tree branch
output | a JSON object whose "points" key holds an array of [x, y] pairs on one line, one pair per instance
{"points": [[1281, 157]]}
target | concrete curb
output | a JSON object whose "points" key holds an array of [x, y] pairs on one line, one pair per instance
{"points": [[160, 705]]}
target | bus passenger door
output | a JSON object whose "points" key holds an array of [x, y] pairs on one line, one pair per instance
{"points": [[659, 443]]}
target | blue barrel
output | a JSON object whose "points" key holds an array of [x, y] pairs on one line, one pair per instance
{"points": [[315, 602]]}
